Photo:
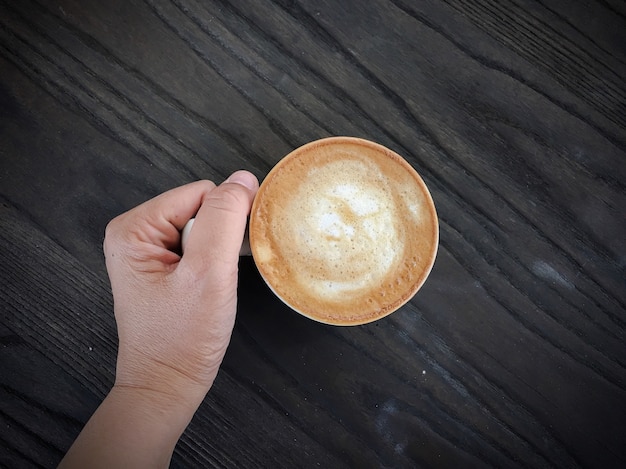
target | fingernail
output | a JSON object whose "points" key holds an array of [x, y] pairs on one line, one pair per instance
{"points": [[244, 178]]}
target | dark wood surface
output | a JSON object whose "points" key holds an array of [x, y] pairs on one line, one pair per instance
{"points": [[514, 112]]}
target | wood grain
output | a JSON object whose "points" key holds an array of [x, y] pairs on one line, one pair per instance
{"points": [[514, 112]]}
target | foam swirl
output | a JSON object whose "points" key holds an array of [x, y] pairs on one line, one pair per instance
{"points": [[340, 235]]}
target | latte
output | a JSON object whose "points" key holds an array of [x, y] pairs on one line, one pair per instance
{"points": [[344, 231]]}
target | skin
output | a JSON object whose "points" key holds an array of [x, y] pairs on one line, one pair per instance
{"points": [[174, 314]]}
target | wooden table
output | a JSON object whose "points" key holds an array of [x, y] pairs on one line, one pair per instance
{"points": [[514, 112]]}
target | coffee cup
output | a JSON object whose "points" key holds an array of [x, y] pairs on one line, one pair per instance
{"points": [[344, 231]]}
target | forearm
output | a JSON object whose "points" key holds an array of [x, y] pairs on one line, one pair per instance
{"points": [[131, 428]]}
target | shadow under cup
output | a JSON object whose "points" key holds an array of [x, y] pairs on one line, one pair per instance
{"points": [[344, 231]]}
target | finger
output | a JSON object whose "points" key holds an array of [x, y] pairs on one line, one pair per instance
{"points": [[178, 205], [245, 245], [159, 220], [219, 226]]}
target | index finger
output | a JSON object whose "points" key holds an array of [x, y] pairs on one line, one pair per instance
{"points": [[159, 220], [178, 205]]}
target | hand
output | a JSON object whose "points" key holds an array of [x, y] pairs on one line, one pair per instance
{"points": [[175, 314]]}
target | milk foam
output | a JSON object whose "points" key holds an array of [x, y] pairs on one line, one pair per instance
{"points": [[345, 231]]}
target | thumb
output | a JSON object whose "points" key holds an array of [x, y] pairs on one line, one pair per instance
{"points": [[220, 224]]}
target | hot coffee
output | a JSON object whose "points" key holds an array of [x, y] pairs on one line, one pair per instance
{"points": [[344, 231]]}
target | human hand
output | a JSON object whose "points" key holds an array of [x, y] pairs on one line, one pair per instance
{"points": [[175, 313]]}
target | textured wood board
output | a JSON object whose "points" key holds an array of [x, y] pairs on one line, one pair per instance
{"points": [[513, 353]]}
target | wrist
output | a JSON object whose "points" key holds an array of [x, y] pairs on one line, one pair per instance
{"points": [[160, 382], [169, 406]]}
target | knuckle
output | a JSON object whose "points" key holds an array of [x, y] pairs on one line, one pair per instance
{"points": [[113, 233], [112, 228], [230, 199]]}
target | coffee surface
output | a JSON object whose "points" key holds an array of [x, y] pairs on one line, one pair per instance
{"points": [[343, 230]]}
